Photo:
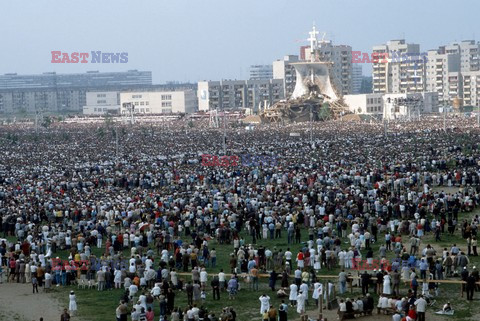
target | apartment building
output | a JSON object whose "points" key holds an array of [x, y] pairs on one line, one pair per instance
{"points": [[357, 78], [401, 71], [443, 74], [469, 52], [261, 72], [282, 69], [234, 94], [471, 88]]}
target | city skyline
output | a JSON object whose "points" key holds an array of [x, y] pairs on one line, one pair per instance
{"points": [[177, 43]]}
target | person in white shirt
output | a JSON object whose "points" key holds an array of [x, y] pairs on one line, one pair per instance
{"points": [[133, 289], [421, 305], [264, 303], [288, 256], [203, 278], [221, 279], [304, 290], [293, 294], [156, 290], [342, 309]]}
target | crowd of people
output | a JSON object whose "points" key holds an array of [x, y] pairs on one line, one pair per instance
{"points": [[139, 198]]}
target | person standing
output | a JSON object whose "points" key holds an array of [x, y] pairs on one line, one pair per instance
{"points": [[72, 306], [301, 300], [34, 284], [421, 305], [366, 277], [272, 314], [65, 316], [254, 279], [396, 282], [293, 294], [470, 287], [215, 288], [282, 314], [232, 288], [122, 311], [342, 280], [386, 284], [264, 303]]}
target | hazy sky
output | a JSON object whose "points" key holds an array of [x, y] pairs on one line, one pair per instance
{"points": [[191, 40]]}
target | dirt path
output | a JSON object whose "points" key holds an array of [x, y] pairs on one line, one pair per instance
{"points": [[18, 303]]}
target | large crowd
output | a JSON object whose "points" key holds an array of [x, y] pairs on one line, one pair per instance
{"points": [[140, 197]]}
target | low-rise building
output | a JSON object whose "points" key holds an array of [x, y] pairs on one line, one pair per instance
{"points": [[163, 102]]}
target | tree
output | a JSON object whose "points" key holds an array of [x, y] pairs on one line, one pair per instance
{"points": [[47, 121]]}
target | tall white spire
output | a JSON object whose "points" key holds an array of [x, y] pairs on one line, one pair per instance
{"points": [[313, 42]]}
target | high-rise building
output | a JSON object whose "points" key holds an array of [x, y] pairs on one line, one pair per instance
{"points": [[443, 74], [233, 94], [261, 72], [88, 79], [469, 52], [471, 88], [357, 78], [52, 92], [401, 68], [282, 69]]}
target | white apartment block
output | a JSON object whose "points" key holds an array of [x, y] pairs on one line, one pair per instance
{"points": [[159, 102], [102, 103], [443, 75], [233, 94], [469, 54], [282, 69], [401, 68], [261, 72], [471, 88]]}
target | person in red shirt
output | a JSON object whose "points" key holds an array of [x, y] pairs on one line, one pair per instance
{"points": [[412, 313], [300, 262]]}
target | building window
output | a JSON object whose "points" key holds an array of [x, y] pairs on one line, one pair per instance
{"points": [[166, 104], [147, 103], [136, 103], [101, 95], [142, 103], [166, 97], [101, 101], [136, 96]]}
